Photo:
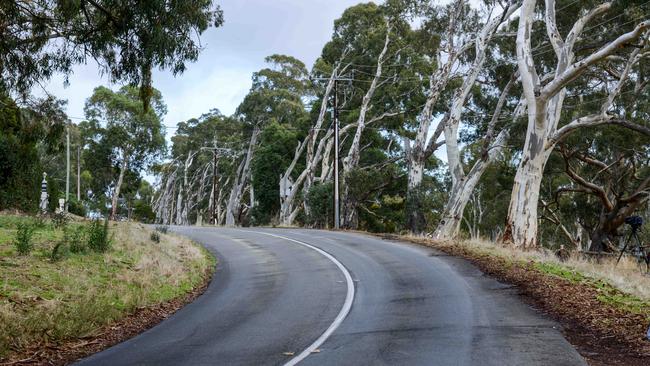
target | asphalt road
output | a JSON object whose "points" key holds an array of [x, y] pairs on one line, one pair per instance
{"points": [[330, 298]]}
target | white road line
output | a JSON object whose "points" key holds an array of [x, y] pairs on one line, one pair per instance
{"points": [[345, 309]]}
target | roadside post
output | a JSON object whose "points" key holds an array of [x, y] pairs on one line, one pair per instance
{"points": [[44, 196]]}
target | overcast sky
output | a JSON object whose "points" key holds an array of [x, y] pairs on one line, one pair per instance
{"points": [[221, 77]]}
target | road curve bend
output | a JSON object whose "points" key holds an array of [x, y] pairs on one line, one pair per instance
{"points": [[288, 296]]}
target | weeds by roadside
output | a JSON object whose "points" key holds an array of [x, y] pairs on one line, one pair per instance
{"points": [[23, 240], [56, 295], [98, 238]]}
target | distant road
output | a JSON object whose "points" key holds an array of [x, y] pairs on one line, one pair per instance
{"points": [[330, 298]]}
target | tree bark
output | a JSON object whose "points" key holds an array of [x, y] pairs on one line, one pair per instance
{"points": [[544, 109], [462, 185], [118, 186], [419, 151], [233, 209], [351, 161]]}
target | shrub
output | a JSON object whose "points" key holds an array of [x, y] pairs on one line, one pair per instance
{"points": [[39, 222], [57, 251], [155, 237], [76, 207], [23, 240], [60, 220], [76, 240], [162, 229], [98, 239]]}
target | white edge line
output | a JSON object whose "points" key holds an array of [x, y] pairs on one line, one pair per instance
{"points": [[345, 309]]}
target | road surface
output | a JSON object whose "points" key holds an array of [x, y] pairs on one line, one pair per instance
{"points": [[287, 296]]}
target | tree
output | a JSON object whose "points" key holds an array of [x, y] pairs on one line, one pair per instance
{"points": [[133, 137], [545, 98], [463, 183], [127, 38], [25, 131], [276, 96], [454, 30]]}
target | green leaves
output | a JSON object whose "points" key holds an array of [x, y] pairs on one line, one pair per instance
{"points": [[128, 38]]}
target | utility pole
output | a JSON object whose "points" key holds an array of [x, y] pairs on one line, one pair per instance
{"points": [[335, 117], [67, 168], [78, 173], [337, 213]]}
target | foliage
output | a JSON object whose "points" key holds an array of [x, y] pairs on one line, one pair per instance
{"points": [[23, 240], [128, 39], [76, 207], [76, 239], [23, 130], [124, 139], [60, 220], [155, 237], [97, 238], [80, 292], [321, 202]]}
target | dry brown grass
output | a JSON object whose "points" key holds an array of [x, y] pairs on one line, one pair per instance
{"points": [[625, 276], [44, 302]]}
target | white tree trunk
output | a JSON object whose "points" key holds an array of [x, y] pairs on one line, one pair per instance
{"points": [[420, 150], [462, 192], [118, 186], [544, 110], [288, 211], [233, 209], [351, 161]]}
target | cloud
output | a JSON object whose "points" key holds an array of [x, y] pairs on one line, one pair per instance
{"points": [[221, 77]]}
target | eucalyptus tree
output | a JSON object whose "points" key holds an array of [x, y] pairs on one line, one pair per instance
{"points": [[462, 182], [192, 184], [277, 96], [132, 137], [127, 38], [25, 131], [619, 185], [545, 98], [304, 180], [450, 29]]}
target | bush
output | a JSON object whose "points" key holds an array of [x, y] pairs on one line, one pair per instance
{"points": [[162, 229], [76, 207], [76, 240], [98, 239], [57, 251], [155, 237], [60, 220], [39, 222], [23, 240]]}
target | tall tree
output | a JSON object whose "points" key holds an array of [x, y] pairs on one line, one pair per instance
{"points": [[462, 182], [23, 130], [134, 137], [545, 98], [127, 38]]}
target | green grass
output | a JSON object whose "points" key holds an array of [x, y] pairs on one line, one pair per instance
{"points": [[606, 292], [44, 301], [560, 271]]}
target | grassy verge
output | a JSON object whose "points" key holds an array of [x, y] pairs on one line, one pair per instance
{"points": [[46, 303], [604, 309]]}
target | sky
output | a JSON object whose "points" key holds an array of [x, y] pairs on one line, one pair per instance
{"points": [[221, 77]]}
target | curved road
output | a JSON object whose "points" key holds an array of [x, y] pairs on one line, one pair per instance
{"points": [[282, 296]]}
